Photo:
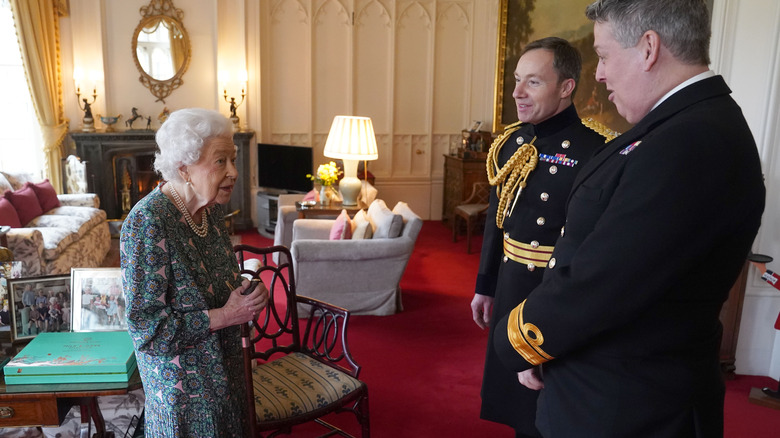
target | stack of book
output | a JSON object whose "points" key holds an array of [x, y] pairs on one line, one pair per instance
{"points": [[77, 357]]}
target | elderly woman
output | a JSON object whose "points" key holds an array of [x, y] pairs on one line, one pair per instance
{"points": [[182, 284]]}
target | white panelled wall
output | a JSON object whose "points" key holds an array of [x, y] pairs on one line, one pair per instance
{"points": [[409, 65], [422, 70]]}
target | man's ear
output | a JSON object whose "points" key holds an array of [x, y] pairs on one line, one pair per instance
{"points": [[567, 88], [650, 47]]}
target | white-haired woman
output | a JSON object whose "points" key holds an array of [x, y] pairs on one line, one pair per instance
{"points": [[182, 284]]}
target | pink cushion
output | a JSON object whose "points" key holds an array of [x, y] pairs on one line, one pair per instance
{"points": [[26, 203], [312, 196], [47, 197], [342, 228], [8, 214]]}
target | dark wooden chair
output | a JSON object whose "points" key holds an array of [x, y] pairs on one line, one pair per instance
{"points": [[472, 210], [297, 371]]}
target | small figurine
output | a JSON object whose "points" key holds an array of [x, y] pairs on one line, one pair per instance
{"points": [[163, 116], [149, 123], [136, 116]]}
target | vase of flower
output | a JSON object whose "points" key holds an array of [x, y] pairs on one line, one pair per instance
{"points": [[326, 176]]}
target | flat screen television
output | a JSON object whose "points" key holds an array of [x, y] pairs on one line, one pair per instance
{"points": [[284, 167]]}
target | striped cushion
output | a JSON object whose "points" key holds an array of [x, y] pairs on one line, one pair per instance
{"points": [[297, 384]]}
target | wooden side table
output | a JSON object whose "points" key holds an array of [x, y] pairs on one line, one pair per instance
{"points": [[317, 210], [47, 405]]}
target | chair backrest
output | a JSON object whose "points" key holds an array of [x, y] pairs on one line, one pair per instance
{"points": [[277, 330], [480, 193]]}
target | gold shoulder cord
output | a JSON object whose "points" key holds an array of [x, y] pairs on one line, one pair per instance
{"points": [[512, 175], [605, 132]]}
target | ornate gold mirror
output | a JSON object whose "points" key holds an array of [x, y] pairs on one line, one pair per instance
{"points": [[161, 48]]}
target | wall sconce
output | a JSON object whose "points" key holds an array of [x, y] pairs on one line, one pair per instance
{"points": [[88, 121], [242, 78]]}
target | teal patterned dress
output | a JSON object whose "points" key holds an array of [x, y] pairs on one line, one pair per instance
{"points": [[192, 377]]}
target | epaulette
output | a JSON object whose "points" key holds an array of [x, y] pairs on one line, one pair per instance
{"points": [[600, 128]]}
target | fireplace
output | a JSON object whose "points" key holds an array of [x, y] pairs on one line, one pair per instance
{"points": [[120, 169]]}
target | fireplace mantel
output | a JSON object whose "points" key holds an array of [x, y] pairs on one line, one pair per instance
{"points": [[133, 152]]}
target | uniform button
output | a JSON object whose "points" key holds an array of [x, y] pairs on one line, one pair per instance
{"points": [[566, 144], [506, 236], [531, 267], [551, 263], [520, 140], [544, 196], [534, 244], [506, 259], [553, 169], [541, 221], [563, 230]]}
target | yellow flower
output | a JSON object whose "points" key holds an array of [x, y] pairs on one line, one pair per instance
{"points": [[327, 174]]}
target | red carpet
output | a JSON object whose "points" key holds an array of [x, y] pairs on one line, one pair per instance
{"points": [[423, 366]]}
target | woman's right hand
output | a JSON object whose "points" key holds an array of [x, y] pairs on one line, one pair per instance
{"points": [[239, 308]]}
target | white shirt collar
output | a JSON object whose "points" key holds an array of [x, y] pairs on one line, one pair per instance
{"points": [[697, 78]]}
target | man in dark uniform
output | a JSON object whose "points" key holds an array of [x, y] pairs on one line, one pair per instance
{"points": [[659, 224], [532, 166]]}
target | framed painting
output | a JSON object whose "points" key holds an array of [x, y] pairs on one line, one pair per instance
{"points": [[98, 300], [523, 21], [39, 304]]}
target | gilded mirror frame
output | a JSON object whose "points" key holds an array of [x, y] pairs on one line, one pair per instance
{"points": [[154, 11]]}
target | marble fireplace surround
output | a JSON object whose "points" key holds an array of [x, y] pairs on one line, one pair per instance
{"points": [[119, 170]]}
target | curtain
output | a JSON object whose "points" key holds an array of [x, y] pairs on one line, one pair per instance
{"points": [[37, 25]]}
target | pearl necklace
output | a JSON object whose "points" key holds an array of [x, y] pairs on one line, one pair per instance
{"points": [[201, 230]]}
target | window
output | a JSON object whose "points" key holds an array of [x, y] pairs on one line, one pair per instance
{"points": [[21, 145]]}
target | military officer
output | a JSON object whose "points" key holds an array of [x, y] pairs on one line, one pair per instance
{"points": [[659, 224], [532, 166]]}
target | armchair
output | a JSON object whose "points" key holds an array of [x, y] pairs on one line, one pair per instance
{"points": [[362, 276], [296, 371]]}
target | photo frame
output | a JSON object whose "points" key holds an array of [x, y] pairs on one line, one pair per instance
{"points": [[475, 125], [98, 300], [523, 21], [27, 320]]}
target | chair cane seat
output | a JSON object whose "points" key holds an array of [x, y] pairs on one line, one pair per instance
{"points": [[296, 385], [472, 210]]}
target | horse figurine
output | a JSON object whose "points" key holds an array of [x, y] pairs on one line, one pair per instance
{"points": [[136, 116]]}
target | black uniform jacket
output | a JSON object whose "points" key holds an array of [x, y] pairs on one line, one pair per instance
{"points": [[565, 145], [659, 224]]}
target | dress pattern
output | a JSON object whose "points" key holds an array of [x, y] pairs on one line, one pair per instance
{"points": [[192, 377]]}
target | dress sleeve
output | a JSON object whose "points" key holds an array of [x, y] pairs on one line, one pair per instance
{"points": [[156, 326]]}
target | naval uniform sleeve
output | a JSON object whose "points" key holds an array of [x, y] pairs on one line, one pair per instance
{"points": [[637, 254], [492, 251]]}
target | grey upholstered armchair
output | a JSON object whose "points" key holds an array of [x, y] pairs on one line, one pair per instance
{"points": [[362, 276]]}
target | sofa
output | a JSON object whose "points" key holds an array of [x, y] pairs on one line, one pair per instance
{"points": [[51, 233], [362, 272]]}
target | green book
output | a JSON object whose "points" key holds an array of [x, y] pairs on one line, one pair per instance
{"points": [[77, 357]]}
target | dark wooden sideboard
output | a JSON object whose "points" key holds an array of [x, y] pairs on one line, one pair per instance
{"points": [[117, 160], [460, 174]]}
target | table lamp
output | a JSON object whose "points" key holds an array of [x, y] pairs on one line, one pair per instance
{"points": [[351, 139]]}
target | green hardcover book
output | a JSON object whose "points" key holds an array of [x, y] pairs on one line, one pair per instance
{"points": [[78, 357]]}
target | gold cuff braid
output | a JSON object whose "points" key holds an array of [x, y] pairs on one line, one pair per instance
{"points": [[526, 338]]}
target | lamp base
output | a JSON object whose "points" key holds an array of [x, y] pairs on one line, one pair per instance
{"points": [[350, 186]]}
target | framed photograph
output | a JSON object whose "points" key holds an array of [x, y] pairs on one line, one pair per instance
{"points": [[39, 304], [98, 300], [523, 21], [475, 125]]}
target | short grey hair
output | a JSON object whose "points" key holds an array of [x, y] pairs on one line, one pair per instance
{"points": [[683, 25], [181, 138]]}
